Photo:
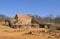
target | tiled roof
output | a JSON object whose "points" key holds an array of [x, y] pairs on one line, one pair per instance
{"points": [[22, 16]]}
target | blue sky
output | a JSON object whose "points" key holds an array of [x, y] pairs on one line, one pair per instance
{"points": [[38, 7]]}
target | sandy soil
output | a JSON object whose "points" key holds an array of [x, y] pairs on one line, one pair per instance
{"points": [[9, 33]]}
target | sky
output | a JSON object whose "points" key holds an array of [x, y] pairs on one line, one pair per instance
{"points": [[37, 7]]}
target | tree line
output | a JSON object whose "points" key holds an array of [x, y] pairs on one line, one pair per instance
{"points": [[49, 18], [46, 19]]}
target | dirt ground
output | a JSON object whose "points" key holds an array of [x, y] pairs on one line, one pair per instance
{"points": [[9, 33]]}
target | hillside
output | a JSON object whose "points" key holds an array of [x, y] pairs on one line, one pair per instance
{"points": [[3, 17]]}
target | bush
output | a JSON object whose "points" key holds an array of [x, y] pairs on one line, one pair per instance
{"points": [[52, 29]]}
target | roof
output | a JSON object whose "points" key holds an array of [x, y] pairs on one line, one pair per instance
{"points": [[22, 16]]}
